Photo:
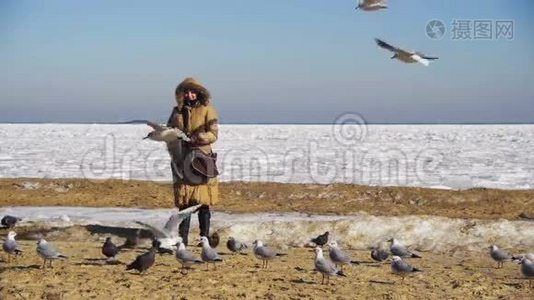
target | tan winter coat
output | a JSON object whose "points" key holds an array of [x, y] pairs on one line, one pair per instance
{"points": [[203, 129]]}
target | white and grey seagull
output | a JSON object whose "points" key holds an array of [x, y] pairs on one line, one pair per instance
{"points": [[339, 257], [168, 235], [527, 269], [399, 267], [398, 249], [325, 267], [10, 246], [264, 253], [406, 56], [163, 133], [185, 258], [48, 252], [208, 254], [500, 256], [371, 5]]}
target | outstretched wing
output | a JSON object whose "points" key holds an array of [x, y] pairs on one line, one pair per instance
{"points": [[181, 135], [170, 229], [176, 218], [158, 233], [386, 46], [155, 126], [430, 57]]}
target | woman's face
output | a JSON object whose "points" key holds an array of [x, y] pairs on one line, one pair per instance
{"points": [[190, 95]]}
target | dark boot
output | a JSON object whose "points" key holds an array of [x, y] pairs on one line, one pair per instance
{"points": [[183, 229], [204, 216]]}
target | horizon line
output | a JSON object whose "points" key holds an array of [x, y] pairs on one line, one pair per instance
{"points": [[133, 122]]}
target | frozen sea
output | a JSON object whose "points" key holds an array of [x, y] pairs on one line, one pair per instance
{"points": [[446, 156]]}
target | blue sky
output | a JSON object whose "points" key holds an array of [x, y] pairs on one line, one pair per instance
{"points": [[277, 61]]}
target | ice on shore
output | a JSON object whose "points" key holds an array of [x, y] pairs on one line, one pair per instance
{"points": [[359, 231]]}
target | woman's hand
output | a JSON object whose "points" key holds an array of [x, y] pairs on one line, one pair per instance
{"points": [[193, 140], [199, 139]]}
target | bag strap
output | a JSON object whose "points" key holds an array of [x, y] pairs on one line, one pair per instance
{"points": [[185, 118]]}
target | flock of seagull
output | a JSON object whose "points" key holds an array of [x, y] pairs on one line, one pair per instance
{"points": [[398, 53], [166, 240]]}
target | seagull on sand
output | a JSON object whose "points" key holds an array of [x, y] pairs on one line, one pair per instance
{"points": [[235, 246], [379, 255], [339, 257], [47, 252], [406, 56], [109, 250], [214, 240], [10, 246], [144, 261], [321, 239], [168, 235], [399, 267], [371, 5], [165, 134], [527, 269], [209, 254], [265, 253], [325, 267], [185, 258], [499, 256], [9, 221], [397, 249]]}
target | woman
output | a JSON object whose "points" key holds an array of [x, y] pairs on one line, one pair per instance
{"points": [[195, 116]]}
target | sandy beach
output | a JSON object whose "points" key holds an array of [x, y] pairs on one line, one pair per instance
{"points": [[84, 275]]}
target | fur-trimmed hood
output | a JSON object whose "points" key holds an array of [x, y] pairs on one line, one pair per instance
{"points": [[193, 84]]}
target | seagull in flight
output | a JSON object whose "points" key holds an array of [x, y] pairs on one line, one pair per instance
{"points": [[406, 56], [371, 5], [168, 235], [165, 134]]}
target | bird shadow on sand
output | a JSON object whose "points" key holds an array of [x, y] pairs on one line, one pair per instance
{"points": [[98, 262], [162, 265], [29, 267], [231, 254], [95, 259], [302, 281], [381, 281], [136, 273], [89, 263], [373, 264], [516, 285]]}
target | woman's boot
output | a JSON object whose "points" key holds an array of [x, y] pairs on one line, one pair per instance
{"points": [[183, 229], [204, 216]]}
